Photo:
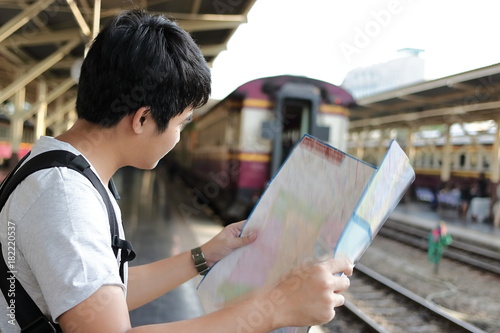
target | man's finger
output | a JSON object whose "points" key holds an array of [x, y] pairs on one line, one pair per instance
{"points": [[340, 265]]}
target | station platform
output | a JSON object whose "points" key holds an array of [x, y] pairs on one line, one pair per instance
{"points": [[420, 214], [154, 224]]}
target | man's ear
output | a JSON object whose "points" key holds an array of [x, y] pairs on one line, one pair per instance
{"points": [[139, 118]]}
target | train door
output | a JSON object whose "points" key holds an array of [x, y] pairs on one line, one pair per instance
{"points": [[295, 114], [295, 122]]}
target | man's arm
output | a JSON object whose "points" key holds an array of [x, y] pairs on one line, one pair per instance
{"points": [[307, 296], [148, 282]]}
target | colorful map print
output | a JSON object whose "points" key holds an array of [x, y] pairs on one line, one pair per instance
{"points": [[321, 203]]}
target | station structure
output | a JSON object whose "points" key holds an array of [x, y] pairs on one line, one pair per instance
{"points": [[43, 41], [457, 100], [42, 44]]}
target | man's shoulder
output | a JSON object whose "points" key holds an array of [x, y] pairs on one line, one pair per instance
{"points": [[46, 143], [51, 176]]}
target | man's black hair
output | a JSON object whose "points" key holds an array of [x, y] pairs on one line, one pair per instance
{"points": [[141, 60]]}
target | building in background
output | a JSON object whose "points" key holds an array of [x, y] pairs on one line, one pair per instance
{"points": [[406, 69]]}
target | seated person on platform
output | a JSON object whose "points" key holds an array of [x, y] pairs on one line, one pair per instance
{"points": [[480, 205], [480, 189], [449, 195], [139, 84], [465, 197]]}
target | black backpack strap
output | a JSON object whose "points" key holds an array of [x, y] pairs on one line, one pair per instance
{"points": [[28, 315], [127, 250]]}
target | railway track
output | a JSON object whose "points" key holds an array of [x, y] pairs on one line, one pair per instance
{"points": [[384, 306], [471, 255]]}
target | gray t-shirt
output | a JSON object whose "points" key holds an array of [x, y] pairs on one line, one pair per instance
{"points": [[59, 226]]}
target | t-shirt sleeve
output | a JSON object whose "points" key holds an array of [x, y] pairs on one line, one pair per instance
{"points": [[66, 242]]}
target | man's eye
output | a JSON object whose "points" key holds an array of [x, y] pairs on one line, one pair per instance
{"points": [[185, 123]]}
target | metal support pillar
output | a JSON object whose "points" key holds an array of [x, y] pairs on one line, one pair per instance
{"points": [[70, 118], [96, 26], [16, 124], [382, 148], [51, 96], [22, 18], [495, 158], [446, 162], [84, 27], [38, 69], [42, 109], [479, 166], [360, 144], [409, 146], [57, 116]]}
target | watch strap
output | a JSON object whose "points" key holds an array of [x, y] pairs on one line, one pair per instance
{"points": [[199, 261]]}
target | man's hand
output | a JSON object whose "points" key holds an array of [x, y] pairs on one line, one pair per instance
{"points": [[311, 292], [226, 242]]}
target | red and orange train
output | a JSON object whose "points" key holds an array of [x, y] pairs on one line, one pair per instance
{"points": [[229, 154]]}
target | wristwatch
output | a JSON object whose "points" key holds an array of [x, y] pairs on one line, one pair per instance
{"points": [[199, 261]]}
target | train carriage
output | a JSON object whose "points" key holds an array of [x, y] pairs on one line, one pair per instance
{"points": [[230, 153]]}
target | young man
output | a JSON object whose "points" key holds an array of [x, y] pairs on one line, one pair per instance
{"points": [[139, 83]]}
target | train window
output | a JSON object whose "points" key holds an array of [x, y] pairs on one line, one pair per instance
{"points": [[486, 162], [462, 160]]}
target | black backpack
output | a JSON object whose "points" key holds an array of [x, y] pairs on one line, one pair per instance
{"points": [[29, 317]]}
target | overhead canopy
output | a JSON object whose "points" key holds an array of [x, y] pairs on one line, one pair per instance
{"points": [[44, 38], [465, 97]]}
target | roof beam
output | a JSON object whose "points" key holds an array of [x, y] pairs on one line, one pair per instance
{"points": [[42, 38], [185, 16], [208, 17], [11, 56], [79, 17], [208, 25], [414, 98], [418, 116], [462, 86], [429, 85], [87, 11], [40, 24], [60, 112], [212, 50], [38, 69], [22, 18], [66, 63], [196, 6], [61, 89], [96, 20]]}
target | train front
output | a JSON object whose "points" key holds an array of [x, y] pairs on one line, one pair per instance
{"points": [[229, 154]]}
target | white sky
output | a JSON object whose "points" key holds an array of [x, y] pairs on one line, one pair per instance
{"points": [[324, 39]]}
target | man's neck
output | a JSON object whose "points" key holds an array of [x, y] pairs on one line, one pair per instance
{"points": [[96, 144]]}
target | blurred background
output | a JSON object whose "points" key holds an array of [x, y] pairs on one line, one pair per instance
{"points": [[355, 74]]}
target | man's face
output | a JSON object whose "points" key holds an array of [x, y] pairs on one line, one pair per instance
{"points": [[157, 145]]}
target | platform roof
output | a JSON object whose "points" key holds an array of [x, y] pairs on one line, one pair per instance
{"points": [[44, 38], [464, 97]]}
